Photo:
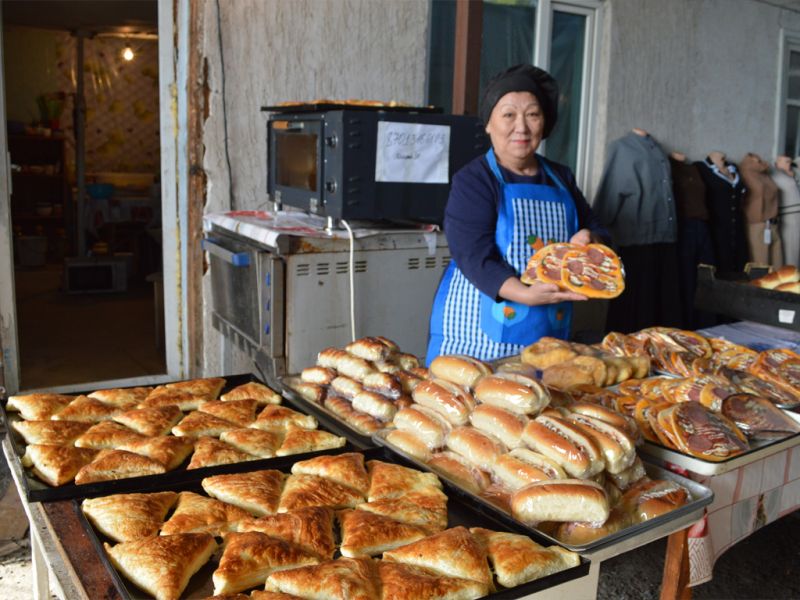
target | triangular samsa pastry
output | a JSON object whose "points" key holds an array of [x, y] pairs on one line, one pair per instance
{"points": [[126, 517], [208, 388], [59, 433], [299, 440], [197, 424], [241, 412], [258, 492], [86, 409], [118, 464], [37, 407], [394, 481], [169, 450], [341, 579], [164, 396], [56, 465], [250, 557], [210, 452], [302, 491], [517, 559], [427, 510], [280, 418], [264, 595], [197, 514], [404, 582], [453, 552], [367, 534], [259, 443], [106, 435], [347, 469], [150, 421], [162, 565], [309, 528], [257, 391], [122, 396]]}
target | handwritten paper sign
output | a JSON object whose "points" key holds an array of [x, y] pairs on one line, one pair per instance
{"points": [[412, 153]]}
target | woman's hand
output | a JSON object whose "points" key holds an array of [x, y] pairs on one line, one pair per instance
{"points": [[582, 237], [536, 294]]}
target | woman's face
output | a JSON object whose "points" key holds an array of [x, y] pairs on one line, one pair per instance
{"points": [[515, 127]]}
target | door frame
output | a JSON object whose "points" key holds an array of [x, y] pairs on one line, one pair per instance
{"points": [[180, 297]]}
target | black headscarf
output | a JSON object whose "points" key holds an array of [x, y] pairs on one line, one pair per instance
{"points": [[523, 78]]}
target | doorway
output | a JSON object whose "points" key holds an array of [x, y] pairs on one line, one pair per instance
{"points": [[82, 115]]}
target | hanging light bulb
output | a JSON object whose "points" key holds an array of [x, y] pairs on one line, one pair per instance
{"points": [[128, 54]]}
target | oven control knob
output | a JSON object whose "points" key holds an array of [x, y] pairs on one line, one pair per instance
{"points": [[331, 141], [330, 186]]}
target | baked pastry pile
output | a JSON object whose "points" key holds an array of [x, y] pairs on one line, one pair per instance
{"points": [[593, 270], [315, 533], [785, 279], [363, 384], [131, 432]]}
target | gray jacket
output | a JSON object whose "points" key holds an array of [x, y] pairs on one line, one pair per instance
{"points": [[634, 200]]}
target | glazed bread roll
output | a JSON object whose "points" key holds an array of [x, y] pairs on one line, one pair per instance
{"points": [[560, 500], [344, 409], [578, 437], [346, 387], [518, 367], [513, 391], [369, 348], [454, 467], [354, 367], [330, 357], [577, 533], [617, 448], [407, 442], [312, 392], [479, 448], [499, 422], [446, 398], [559, 441], [375, 405], [521, 466], [459, 369], [547, 352], [408, 380], [406, 361], [384, 384], [427, 425], [612, 417], [625, 479], [386, 367], [318, 375]]}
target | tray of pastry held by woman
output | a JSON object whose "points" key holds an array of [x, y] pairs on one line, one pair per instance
{"points": [[569, 469], [66, 446], [366, 521], [361, 385]]}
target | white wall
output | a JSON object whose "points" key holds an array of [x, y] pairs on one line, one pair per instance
{"points": [[699, 75], [278, 50]]}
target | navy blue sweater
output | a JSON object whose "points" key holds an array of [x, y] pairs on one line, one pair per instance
{"points": [[471, 216]]}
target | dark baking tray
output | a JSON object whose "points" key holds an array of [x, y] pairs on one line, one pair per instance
{"points": [[38, 491], [461, 508], [324, 106]]}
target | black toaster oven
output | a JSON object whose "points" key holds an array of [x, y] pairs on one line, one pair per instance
{"points": [[367, 163]]}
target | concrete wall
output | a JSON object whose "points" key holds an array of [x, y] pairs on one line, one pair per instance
{"points": [[278, 50], [699, 75]]}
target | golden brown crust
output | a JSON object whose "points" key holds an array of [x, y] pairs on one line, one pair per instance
{"points": [[375, 405], [105, 435], [195, 514], [560, 500], [207, 389], [56, 465], [361, 421], [499, 422], [446, 398], [369, 348], [241, 412], [122, 396], [86, 409], [394, 481], [255, 390], [453, 552], [210, 452], [459, 470], [428, 425], [150, 421], [515, 392], [257, 442], [478, 448], [459, 369], [197, 424], [250, 557], [341, 579], [259, 595], [127, 517], [258, 492], [347, 469], [299, 440], [547, 352], [517, 559], [309, 528], [164, 396], [37, 407], [518, 469], [368, 534], [59, 433], [303, 491], [170, 451], [110, 465], [407, 582], [162, 565], [426, 510], [280, 418], [408, 443], [318, 375]]}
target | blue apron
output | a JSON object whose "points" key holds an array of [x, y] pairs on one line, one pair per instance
{"points": [[466, 321]]}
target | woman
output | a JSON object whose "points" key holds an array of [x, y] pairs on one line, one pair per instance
{"points": [[502, 207]]}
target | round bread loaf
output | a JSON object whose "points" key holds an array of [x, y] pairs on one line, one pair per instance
{"points": [[459, 369], [477, 447], [427, 425], [407, 442], [499, 422], [446, 398], [560, 500]]}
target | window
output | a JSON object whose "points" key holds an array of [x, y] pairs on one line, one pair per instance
{"points": [[789, 132], [557, 36]]}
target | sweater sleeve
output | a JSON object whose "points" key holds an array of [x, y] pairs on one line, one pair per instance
{"points": [[469, 224]]}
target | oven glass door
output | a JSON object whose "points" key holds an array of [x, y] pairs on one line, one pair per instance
{"points": [[296, 162]]}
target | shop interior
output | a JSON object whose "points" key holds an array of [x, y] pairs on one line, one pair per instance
{"points": [[81, 83]]}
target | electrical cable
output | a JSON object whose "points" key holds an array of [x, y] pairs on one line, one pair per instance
{"points": [[224, 108], [352, 280]]}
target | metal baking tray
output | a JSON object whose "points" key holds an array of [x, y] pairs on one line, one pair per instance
{"points": [[462, 509], [38, 491], [616, 543], [355, 435]]}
